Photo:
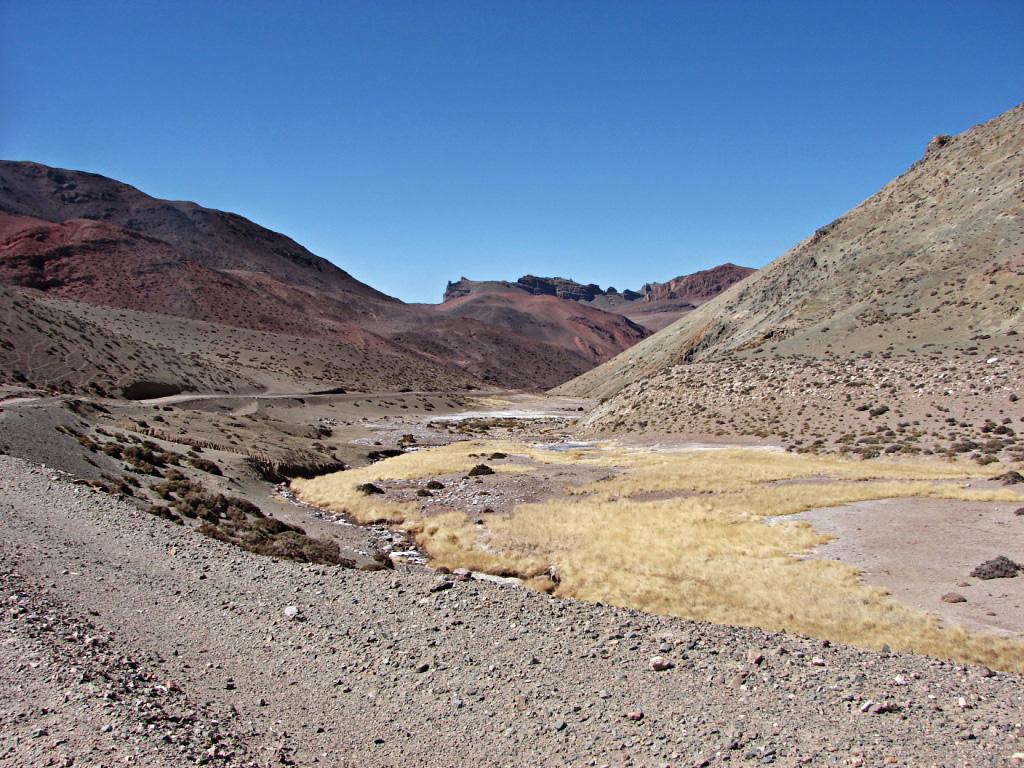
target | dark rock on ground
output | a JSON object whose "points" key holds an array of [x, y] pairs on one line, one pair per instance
{"points": [[997, 568]]}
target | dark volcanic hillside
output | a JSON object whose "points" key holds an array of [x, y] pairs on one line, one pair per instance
{"points": [[103, 263], [80, 236], [84, 236]]}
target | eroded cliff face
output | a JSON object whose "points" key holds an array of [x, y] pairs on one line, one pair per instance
{"points": [[698, 287]]}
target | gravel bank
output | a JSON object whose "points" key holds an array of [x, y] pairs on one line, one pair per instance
{"points": [[384, 669]]}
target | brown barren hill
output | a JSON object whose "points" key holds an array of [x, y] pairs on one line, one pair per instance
{"points": [[932, 260], [73, 235], [657, 305], [654, 306]]}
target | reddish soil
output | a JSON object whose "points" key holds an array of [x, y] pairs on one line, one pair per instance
{"points": [[593, 334], [73, 235]]}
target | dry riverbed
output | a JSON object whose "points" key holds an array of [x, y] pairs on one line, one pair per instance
{"points": [[130, 638], [389, 668], [681, 530]]}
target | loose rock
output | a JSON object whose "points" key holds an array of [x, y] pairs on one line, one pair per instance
{"points": [[1000, 567], [660, 663]]}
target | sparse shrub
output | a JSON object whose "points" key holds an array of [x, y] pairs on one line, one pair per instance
{"points": [[162, 511], [275, 538], [205, 465], [997, 568], [963, 446]]}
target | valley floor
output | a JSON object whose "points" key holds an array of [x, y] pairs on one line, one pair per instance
{"points": [[130, 639], [127, 638]]}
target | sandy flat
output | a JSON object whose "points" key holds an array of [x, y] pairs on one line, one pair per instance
{"points": [[921, 549]]}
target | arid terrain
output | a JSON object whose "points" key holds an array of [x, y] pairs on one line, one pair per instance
{"points": [[257, 513], [131, 638], [69, 235], [653, 306]]}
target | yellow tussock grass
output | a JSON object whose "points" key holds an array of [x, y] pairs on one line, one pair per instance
{"points": [[704, 553]]}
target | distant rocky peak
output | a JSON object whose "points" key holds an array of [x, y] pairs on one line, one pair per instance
{"points": [[464, 287], [561, 287], [457, 288], [697, 287]]}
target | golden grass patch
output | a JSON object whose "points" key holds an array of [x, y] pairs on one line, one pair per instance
{"points": [[705, 553], [338, 491], [730, 469], [713, 558], [452, 542]]}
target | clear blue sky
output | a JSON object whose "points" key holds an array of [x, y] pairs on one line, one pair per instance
{"points": [[415, 142]]}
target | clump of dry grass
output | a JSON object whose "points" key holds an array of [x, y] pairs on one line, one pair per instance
{"points": [[453, 542], [704, 552]]}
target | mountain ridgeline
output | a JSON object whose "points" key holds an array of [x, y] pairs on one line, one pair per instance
{"points": [[653, 306], [934, 260], [71, 236]]}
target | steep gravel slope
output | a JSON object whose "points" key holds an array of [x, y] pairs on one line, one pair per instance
{"points": [[403, 668], [935, 258]]}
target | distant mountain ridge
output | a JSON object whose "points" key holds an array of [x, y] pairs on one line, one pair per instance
{"points": [[696, 287], [560, 287], [654, 306]]}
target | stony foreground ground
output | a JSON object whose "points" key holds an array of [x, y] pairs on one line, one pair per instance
{"points": [[129, 640]]}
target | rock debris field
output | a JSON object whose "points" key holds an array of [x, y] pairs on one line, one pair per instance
{"points": [[130, 640]]}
